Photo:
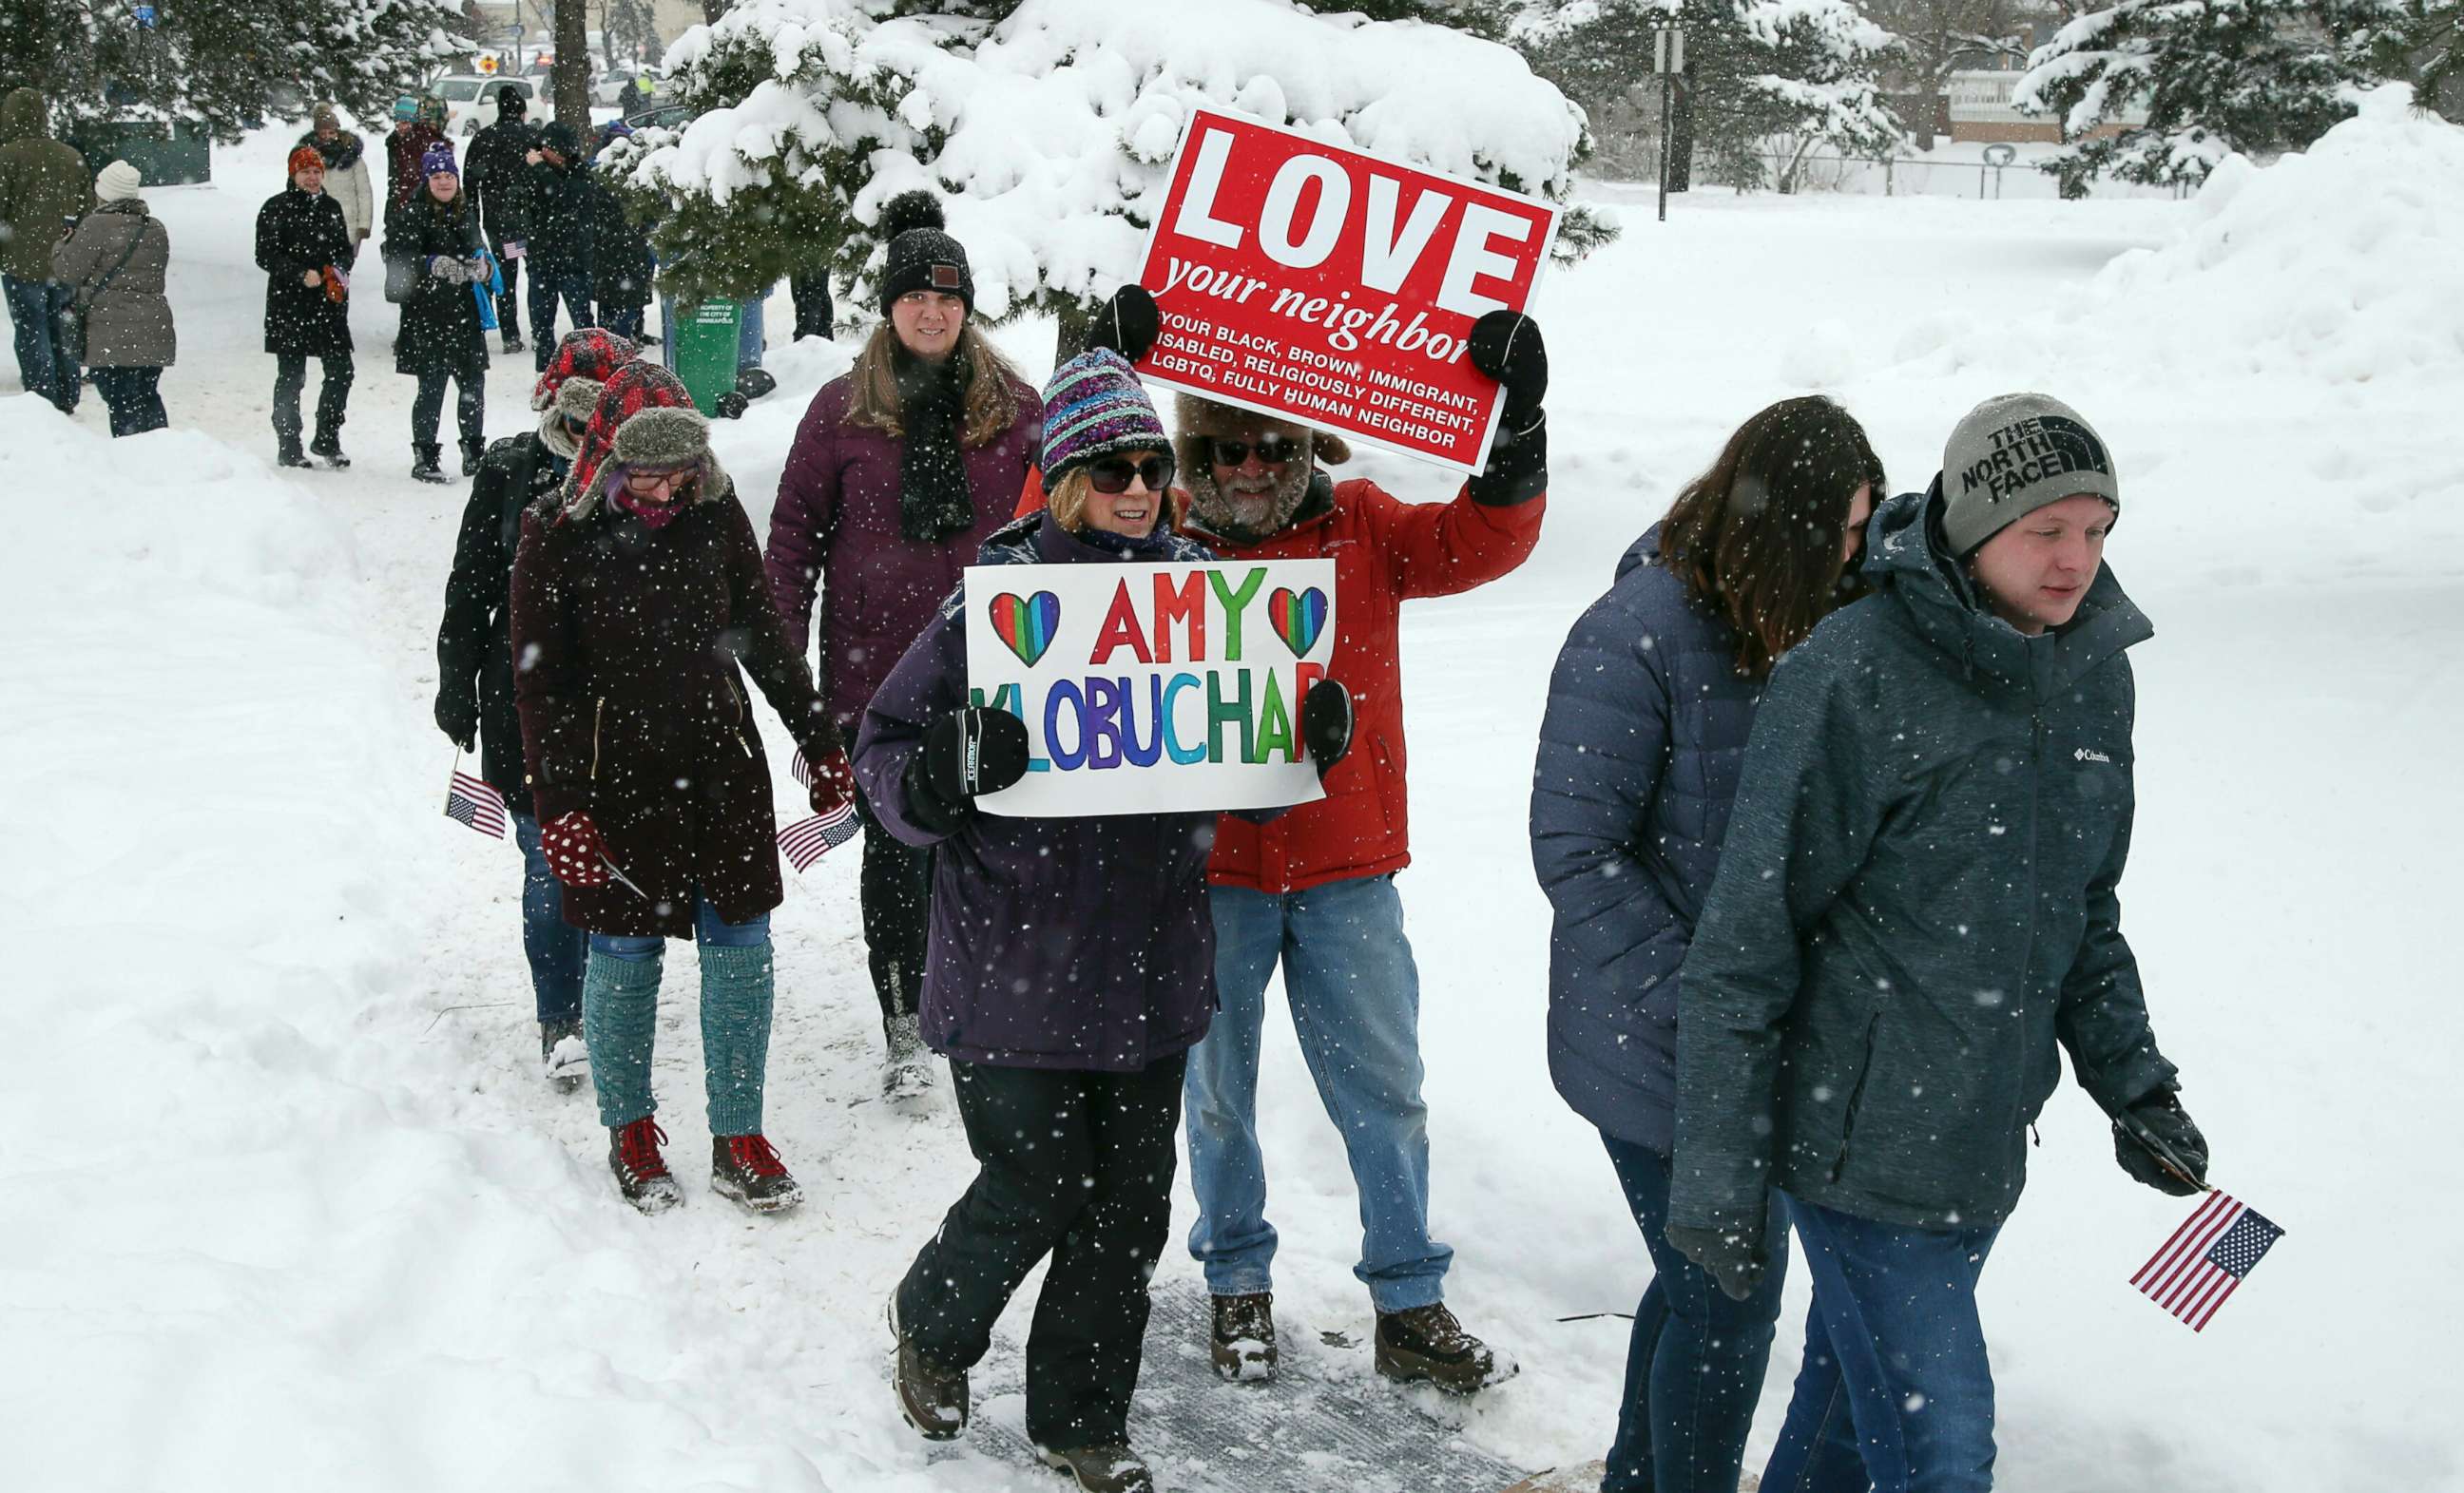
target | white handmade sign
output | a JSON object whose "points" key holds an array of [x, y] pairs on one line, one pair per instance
{"points": [[1151, 689]]}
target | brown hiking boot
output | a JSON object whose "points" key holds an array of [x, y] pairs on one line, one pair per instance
{"points": [[932, 1398], [1103, 1469], [1245, 1338], [641, 1174], [1427, 1345], [746, 1169]]}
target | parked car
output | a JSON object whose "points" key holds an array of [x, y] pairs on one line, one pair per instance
{"points": [[471, 100], [664, 116]]}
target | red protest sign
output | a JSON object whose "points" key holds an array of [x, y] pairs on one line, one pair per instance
{"points": [[1333, 287]]}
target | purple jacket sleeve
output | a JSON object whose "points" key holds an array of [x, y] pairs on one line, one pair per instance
{"points": [[929, 684], [801, 520]]}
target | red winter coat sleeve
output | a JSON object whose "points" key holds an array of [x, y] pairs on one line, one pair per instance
{"points": [[804, 518], [1438, 549], [762, 647], [550, 676]]}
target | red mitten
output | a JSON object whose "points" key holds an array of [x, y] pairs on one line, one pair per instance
{"points": [[830, 783], [575, 851]]}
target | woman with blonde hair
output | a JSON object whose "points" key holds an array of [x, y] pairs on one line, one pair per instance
{"points": [[900, 470]]}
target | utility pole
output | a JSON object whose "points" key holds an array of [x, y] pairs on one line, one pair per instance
{"points": [[1668, 60]]}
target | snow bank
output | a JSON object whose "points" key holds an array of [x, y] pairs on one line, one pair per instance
{"points": [[2336, 265]]}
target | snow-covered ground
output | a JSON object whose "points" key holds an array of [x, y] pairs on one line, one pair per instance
{"points": [[286, 1207]]}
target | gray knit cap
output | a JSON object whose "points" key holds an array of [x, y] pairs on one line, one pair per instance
{"points": [[2012, 456]]}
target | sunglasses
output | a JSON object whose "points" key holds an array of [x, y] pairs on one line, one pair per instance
{"points": [[1112, 473], [646, 483], [1273, 451], [574, 426]]}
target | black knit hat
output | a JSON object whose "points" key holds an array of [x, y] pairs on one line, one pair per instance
{"points": [[511, 104], [922, 256], [559, 137]]}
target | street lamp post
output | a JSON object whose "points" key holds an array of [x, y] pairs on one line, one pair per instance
{"points": [[1668, 60]]}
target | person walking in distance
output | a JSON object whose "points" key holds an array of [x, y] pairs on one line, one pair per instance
{"points": [[415, 128], [43, 188], [498, 178], [1649, 709], [115, 266], [558, 245], [305, 248], [441, 337], [346, 172], [901, 470], [638, 605]]}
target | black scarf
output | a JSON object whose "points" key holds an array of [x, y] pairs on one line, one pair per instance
{"points": [[932, 499]]}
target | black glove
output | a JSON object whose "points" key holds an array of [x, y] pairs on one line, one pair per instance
{"points": [[2161, 1115], [969, 753], [1506, 346], [457, 716], [1326, 724], [1127, 323], [1732, 1249]]}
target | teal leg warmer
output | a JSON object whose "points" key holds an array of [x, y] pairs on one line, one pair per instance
{"points": [[737, 986], [620, 1010]]}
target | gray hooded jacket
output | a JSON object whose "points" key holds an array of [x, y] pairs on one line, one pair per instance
{"points": [[1915, 904]]}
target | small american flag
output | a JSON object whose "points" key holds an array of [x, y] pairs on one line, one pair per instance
{"points": [[2205, 1260], [808, 840], [474, 805]]}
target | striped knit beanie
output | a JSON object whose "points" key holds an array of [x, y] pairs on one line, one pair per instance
{"points": [[1095, 406]]}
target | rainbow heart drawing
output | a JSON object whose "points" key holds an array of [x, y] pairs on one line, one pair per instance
{"points": [[1027, 623], [1298, 617]]}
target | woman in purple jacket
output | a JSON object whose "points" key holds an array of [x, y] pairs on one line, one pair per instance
{"points": [[1071, 968], [900, 470]]}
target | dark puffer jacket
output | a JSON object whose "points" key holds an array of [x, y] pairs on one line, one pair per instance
{"points": [[1916, 906], [298, 231], [440, 322], [1638, 759], [474, 658], [627, 645], [1078, 943]]}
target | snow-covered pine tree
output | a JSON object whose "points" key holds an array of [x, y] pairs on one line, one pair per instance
{"points": [[1766, 83], [216, 61], [2217, 78], [1049, 131]]}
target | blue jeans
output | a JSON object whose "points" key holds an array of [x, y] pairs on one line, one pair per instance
{"points": [[546, 290], [1694, 1369], [133, 397], [1896, 1392], [1356, 999], [620, 1008], [555, 949], [43, 361]]}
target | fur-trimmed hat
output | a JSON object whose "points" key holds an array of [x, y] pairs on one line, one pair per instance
{"points": [[671, 433], [575, 398], [589, 352], [922, 256], [1197, 422]]}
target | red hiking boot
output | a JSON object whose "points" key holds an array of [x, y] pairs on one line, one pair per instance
{"points": [[747, 1168], [641, 1174]]}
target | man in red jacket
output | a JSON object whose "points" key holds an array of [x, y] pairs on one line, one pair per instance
{"points": [[1314, 890]]}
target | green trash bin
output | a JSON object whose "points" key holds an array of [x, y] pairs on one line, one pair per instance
{"points": [[704, 351]]}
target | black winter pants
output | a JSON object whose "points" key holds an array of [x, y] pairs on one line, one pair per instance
{"points": [[509, 299], [814, 310], [896, 891], [290, 376], [470, 407], [1077, 1166]]}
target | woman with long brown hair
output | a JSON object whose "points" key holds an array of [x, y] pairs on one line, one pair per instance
{"points": [[901, 470], [1648, 712]]}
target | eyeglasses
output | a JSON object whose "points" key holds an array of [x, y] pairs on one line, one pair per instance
{"points": [[646, 483], [575, 424], [1112, 473], [1274, 450]]}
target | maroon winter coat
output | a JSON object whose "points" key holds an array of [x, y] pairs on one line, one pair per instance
{"points": [[836, 524], [625, 651]]}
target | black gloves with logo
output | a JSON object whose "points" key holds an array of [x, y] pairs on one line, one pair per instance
{"points": [[972, 751], [1128, 323], [1326, 724], [2160, 1116], [1506, 346]]}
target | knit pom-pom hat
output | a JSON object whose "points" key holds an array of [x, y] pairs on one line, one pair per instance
{"points": [[301, 158], [1094, 406], [922, 256], [117, 181], [437, 160]]}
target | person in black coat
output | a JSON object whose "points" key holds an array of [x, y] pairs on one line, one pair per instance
{"points": [[475, 697], [499, 182], [621, 262], [441, 337], [306, 252], [559, 247]]}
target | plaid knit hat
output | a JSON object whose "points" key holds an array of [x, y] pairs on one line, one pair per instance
{"points": [[922, 256], [438, 158], [1095, 406], [301, 158], [673, 433], [2012, 456], [591, 353]]}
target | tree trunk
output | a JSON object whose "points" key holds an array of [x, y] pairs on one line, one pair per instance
{"points": [[572, 75]]}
